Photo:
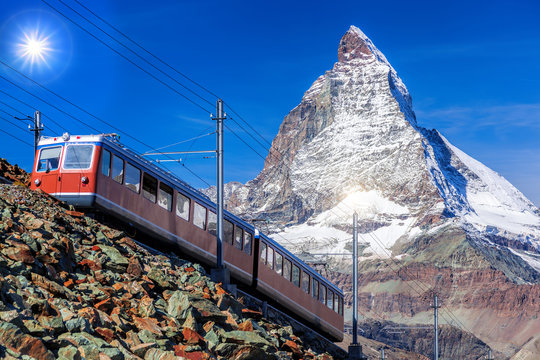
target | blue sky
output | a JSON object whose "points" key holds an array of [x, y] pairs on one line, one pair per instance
{"points": [[472, 69]]}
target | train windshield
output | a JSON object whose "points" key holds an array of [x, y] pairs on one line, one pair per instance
{"points": [[78, 156], [49, 158]]}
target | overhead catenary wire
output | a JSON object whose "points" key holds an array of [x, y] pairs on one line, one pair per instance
{"points": [[46, 102], [242, 140], [170, 87], [46, 128], [152, 65], [127, 59], [167, 65], [34, 108], [14, 109], [19, 126], [142, 69], [148, 52], [81, 109], [80, 121], [15, 137], [184, 141], [135, 53]]}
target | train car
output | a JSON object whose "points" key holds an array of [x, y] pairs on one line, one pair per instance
{"points": [[98, 172]]}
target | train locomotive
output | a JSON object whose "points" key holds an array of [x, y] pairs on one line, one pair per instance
{"points": [[98, 172]]}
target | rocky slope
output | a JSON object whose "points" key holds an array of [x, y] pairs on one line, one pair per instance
{"points": [[71, 288], [11, 173], [428, 213]]}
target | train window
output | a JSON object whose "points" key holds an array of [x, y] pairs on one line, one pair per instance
{"points": [[279, 263], [182, 206], [336, 301], [340, 306], [133, 177], [149, 187], [330, 299], [305, 281], [287, 269], [238, 236], [263, 253], [322, 294], [78, 156], [199, 216], [212, 223], [228, 232], [296, 275], [315, 289], [49, 158], [247, 243], [165, 196], [106, 162], [270, 258], [117, 169]]}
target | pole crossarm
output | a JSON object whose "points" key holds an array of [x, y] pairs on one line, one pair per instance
{"points": [[181, 152]]}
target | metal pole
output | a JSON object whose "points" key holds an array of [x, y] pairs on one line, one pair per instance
{"points": [[37, 129], [489, 355], [355, 280], [382, 353], [436, 320], [219, 138]]}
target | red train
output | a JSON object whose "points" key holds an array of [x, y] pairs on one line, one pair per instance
{"points": [[96, 171]]}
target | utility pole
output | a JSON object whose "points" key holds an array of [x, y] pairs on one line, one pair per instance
{"points": [[355, 281], [355, 350], [219, 176], [489, 355], [382, 353], [220, 273], [38, 128], [436, 325]]}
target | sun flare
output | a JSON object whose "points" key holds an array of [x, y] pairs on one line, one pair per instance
{"points": [[34, 48]]}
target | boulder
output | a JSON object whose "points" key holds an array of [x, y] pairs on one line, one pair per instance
{"points": [[117, 262], [13, 339]]}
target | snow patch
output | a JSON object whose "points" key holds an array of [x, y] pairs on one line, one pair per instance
{"points": [[319, 234], [532, 259], [367, 204]]}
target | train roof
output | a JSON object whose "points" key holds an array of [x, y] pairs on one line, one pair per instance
{"points": [[112, 141]]}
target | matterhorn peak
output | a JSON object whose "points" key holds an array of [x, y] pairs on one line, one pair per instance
{"points": [[353, 136], [356, 45]]}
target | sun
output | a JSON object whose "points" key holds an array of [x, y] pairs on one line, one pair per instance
{"points": [[34, 48]]}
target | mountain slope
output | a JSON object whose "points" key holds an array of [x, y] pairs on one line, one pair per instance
{"points": [[353, 145]]}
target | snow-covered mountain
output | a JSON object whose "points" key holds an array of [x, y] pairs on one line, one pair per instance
{"points": [[353, 144], [431, 217]]}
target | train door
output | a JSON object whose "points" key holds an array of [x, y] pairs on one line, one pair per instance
{"points": [[76, 164], [47, 169]]}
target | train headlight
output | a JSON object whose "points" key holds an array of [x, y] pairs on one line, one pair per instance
{"points": [[37, 182], [84, 180], [65, 136]]}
